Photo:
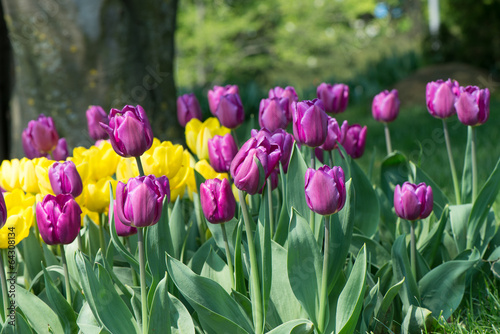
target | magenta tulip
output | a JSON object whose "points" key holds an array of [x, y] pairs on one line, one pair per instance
{"points": [[58, 219], [221, 151], [273, 113], [95, 116], [121, 229], [473, 105], [333, 136], [64, 179], [441, 97], [3, 210], [129, 131], [334, 97], [40, 137], [188, 108], [281, 138], [60, 153], [287, 92], [310, 123], [217, 200], [353, 139], [412, 201], [385, 106], [216, 93], [230, 111], [325, 189]]}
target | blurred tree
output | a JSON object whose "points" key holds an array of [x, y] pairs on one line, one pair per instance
{"points": [[72, 54]]}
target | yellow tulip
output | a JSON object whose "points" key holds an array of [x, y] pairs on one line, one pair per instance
{"points": [[95, 195], [126, 169], [94, 216], [101, 160], [204, 168], [16, 228], [42, 166], [198, 134], [9, 175]]}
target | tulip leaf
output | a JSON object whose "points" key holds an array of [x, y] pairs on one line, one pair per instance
{"points": [[239, 274], [281, 233], [216, 269], [459, 216], [216, 231], [467, 173], [216, 309], [87, 322], [446, 296], [159, 242], [104, 301], [177, 226], [20, 325], [417, 320], [385, 307], [32, 255], [59, 304], [350, 301], [431, 243], [199, 258], [377, 254], [39, 315], [367, 208], [481, 229], [304, 265], [402, 270], [296, 182], [294, 327], [440, 199], [393, 171]]}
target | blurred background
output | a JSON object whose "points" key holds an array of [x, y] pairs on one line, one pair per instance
{"points": [[60, 56]]}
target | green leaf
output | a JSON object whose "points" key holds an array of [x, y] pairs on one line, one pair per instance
{"points": [[350, 301], [446, 295], [393, 171], [159, 242], [32, 255], [383, 309], [60, 305], [296, 182], [177, 228], [17, 325], [367, 212], [304, 265], [104, 301], [377, 254], [434, 239], [417, 320], [87, 322], [402, 270], [440, 199], [294, 327], [180, 318], [40, 316], [199, 258], [467, 173], [215, 308], [216, 269], [459, 217], [281, 234]]}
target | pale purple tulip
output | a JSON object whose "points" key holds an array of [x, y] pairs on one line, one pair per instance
{"points": [[188, 108], [334, 97], [64, 179], [273, 113], [353, 139], [216, 93], [441, 97], [221, 151], [40, 137], [473, 105], [385, 106], [412, 201], [96, 115]]}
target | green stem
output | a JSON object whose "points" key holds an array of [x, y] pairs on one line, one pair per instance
{"points": [[313, 158], [233, 133], [126, 241], [228, 255], [199, 218], [139, 166], [5, 291], [102, 242], [79, 241], [254, 273], [332, 159], [312, 222], [66, 274], [413, 250], [142, 268], [387, 139], [474, 164], [324, 280], [452, 164], [270, 202]]}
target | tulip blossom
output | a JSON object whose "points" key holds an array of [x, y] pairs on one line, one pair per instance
{"points": [[58, 219], [385, 106], [273, 113], [353, 139], [96, 115], [216, 93], [27, 176], [121, 229], [287, 92], [310, 123], [217, 200], [3, 211], [129, 131], [198, 134], [334, 97], [441, 97], [230, 111], [40, 137], [333, 136], [139, 203], [473, 105], [412, 201], [221, 151], [60, 152], [325, 189], [188, 108], [281, 138], [19, 210], [64, 179]]}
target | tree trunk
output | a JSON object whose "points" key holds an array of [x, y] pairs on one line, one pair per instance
{"points": [[70, 54]]}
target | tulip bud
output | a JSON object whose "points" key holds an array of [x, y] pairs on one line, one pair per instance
{"points": [[412, 201], [353, 139], [473, 105], [287, 92], [64, 179], [325, 189], [60, 153], [188, 108], [139, 203], [441, 97], [221, 151], [121, 229], [230, 111], [40, 137], [129, 131], [385, 106], [310, 122], [58, 219], [280, 137], [96, 115], [334, 97], [217, 200], [216, 93], [333, 135], [3, 210], [272, 113]]}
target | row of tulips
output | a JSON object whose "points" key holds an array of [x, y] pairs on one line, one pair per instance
{"points": [[289, 246]]}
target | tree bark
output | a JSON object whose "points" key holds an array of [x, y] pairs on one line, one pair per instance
{"points": [[70, 54]]}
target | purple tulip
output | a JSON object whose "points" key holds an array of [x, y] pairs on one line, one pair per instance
{"points": [[272, 113], [188, 108], [385, 106], [287, 92], [353, 139], [281, 138], [245, 170], [40, 137], [334, 97], [121, 229], [64, 179], [221, 151], [216, 93], [217, 200], [310, 123], [95, 116], [129, 131], [230, 111], [139, 203], [3, 210], [441, 97], [473, 105], [333, 136], [412, 201], [58, 219], [325, 190], [60, 153]]}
